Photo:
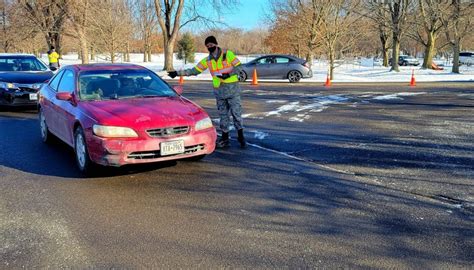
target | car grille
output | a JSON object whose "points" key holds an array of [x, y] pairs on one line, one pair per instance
{"points": [[167, 132], [27, 88], [156, 153]]}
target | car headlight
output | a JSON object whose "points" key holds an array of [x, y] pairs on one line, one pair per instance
{"points": [[114, 132], [36, 85], [204, 124], [7, 85]]}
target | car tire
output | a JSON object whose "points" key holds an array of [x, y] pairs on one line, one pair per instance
{"points": [[294, 76], [46, 135], [83, 161], [242, 76]]}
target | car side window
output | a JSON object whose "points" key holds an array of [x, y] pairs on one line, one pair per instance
{"points": [[282, 60], [264, 60], [67, 82], [55, 81]]}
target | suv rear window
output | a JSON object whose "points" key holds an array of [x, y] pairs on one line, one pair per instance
{"points": [[467, 54]]}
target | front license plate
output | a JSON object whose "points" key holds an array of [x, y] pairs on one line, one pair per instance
{"points": [[172, 148], [34, 96]]}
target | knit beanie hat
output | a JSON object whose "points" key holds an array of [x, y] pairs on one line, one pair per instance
{"points": [[210, 39]]}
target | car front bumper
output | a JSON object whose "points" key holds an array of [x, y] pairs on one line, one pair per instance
{"points": [[18, 98], [119, 152]]}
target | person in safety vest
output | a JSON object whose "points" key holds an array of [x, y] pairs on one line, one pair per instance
{"points": [[53, 58], [224, 67]]}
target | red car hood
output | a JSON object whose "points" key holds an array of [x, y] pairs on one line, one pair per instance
{"points": [[144, 113]]}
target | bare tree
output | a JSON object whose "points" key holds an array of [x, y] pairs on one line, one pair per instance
{"points": [[337, 19], [49, 17], [79, 15], [170, 13], [458, 23], [398, 10], [428, 23], [378, 12], [146, 21], [112, 29]]}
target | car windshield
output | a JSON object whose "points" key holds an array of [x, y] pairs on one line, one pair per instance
{"points": [[12, 63], [121, 84]]}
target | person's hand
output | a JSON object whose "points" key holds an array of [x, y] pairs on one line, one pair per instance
{"points": [[173, 74], [224, 76]]}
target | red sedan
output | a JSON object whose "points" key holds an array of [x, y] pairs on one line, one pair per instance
{"points": [[117, 114]]}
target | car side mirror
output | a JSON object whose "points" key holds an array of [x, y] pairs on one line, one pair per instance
{"points": [[178, 89], [66, 96]]}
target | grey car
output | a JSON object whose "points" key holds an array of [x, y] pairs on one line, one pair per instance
{"points": [[277, 67]]}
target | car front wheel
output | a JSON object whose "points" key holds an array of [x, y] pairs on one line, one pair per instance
{"points": [[82, 155], [294, 76], [45, 134]]}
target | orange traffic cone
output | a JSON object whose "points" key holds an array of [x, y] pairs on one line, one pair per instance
{"points": [[412, 81], [181, 80], [254, 77], [328, 81]]}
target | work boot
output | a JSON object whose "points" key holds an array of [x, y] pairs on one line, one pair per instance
{"points": [[241, 138], [224, 141]]}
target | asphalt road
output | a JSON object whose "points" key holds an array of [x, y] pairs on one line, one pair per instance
{"points": [[335, 177]]}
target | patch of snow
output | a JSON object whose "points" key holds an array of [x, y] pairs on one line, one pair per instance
{"points": [[293, 106], [260, 135], [398, 96], [276, 101]]}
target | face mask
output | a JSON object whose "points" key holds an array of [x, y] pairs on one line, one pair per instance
{"points": [[212, 49]]}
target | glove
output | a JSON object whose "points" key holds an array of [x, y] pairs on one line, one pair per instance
{"points": [[224, 76], [173, 74]]}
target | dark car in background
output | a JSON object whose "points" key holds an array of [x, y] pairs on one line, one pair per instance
{"points": [[21, 76], [277, 67], [406, 60]]}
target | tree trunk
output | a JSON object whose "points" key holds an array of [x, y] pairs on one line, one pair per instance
{"points": [[395, 53], [149, 54], [84, 47], [331, 65], [57, 44], [127, 52], [169, 47], [456, 50], [385, 57], [92, 53], [145, 53], [384, 41], [429, 51], [309, 58]]}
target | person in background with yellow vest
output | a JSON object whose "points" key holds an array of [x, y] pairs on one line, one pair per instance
{"points": [[53, 58], [225, 68]]}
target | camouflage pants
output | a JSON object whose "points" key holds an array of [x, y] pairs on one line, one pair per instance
{"points": [[228, 103]]}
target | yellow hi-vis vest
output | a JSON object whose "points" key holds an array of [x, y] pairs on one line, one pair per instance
{"points": [[53, 57], [224, 64]]}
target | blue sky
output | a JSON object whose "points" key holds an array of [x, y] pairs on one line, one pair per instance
{"points": [[249, 14]]}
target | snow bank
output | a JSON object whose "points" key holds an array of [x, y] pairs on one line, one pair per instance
{"points": [[363, 70]]}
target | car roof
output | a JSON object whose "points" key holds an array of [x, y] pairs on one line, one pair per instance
{"points": [[104, 66], [278, 55], [18, 55]]}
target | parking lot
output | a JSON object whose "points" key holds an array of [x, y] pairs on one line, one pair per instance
{"points": [[358, 176]]}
